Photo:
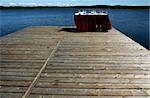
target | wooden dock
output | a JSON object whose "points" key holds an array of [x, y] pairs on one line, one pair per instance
{"points": [[46, 62]]}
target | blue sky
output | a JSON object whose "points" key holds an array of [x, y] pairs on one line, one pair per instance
{"points": [[74, 2]]}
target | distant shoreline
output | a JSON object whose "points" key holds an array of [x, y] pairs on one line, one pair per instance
{"points": [[95, 6]]}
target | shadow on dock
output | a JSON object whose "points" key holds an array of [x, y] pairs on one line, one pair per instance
{"points": [[74, 30], [69, 29]]}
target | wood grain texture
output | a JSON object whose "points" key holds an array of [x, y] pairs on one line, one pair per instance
{"points": [[85, 64]]}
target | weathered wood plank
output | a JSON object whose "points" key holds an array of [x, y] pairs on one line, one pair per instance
{"points": [[65, 96], [12, 89], [106, 80], [16, 83], [99, 71], [76, 85], [11, 95], [91, 92], [93, 85], [26, 74], [19, 70], [97, 76], [97, 65], [5, 78]]}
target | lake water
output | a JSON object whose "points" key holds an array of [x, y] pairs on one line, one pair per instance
{"points": [[132, 22]]}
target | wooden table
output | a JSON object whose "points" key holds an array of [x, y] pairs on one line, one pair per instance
{"points": [[92, 22]]}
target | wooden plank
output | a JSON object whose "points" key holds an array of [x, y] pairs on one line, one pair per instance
{"points": [[11, 95], [91, 92], [17, 74], [99, 71], [101, 53], [9, 78], [13, 89], [97, 76], [19, 70], [97, 65], [65, 96], [93, 85], [24, 52], [76, 85], [13, 83], [22, 61], [105, 80]]}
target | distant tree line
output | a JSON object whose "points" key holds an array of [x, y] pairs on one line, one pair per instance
{"points": [[93, 6]]}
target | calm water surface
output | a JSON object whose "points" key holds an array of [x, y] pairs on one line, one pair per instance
{"points": [[132, 22]]}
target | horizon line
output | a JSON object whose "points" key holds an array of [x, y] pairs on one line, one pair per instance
{"points": [[65, 5]]}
